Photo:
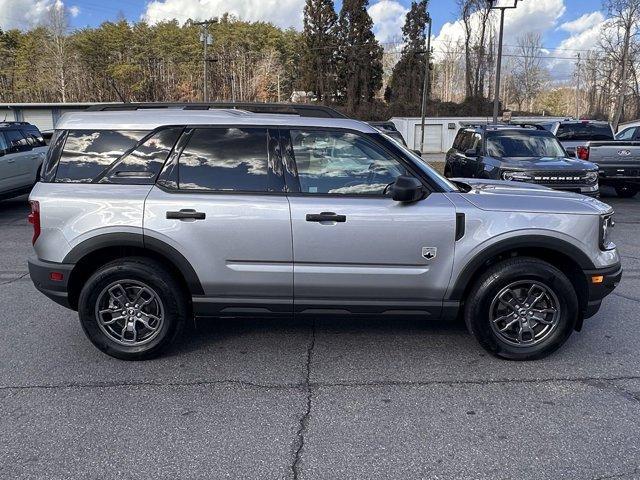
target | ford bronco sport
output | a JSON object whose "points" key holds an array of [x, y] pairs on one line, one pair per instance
{"points": [[145, 219]]}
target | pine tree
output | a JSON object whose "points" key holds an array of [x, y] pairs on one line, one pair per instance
{"points": [[359, 55], [319, 66], [407, 79]]}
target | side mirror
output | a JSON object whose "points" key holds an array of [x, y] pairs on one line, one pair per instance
{"points": [[472, 152], [417, 152], [407, 189]]}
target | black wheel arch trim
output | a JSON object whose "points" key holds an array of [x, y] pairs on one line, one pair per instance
{"points": [[563, 247], [140, 241]]}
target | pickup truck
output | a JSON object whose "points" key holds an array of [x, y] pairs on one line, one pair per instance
{"points": [[576, 133], [618, 164]]}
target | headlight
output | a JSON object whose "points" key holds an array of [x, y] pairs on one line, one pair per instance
{"points": [[591, 177], [516, 176], [606, 225]]}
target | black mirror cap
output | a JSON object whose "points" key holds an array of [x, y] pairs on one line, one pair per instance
{"points": [[407, 189]]}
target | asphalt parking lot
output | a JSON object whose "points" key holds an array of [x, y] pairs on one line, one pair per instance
{"points": [[330, 399]]}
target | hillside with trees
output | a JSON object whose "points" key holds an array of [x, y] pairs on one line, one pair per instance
{"points": [[335, 59]]}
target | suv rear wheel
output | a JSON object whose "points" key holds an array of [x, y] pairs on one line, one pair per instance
{"points": [[522, 309], [132, 308]]}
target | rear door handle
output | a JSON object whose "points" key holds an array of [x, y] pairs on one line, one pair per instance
{"points": [[186, 214], [326, 217]]}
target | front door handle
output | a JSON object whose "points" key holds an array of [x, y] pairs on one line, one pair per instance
{"points": [[326, 217], [186, 214]]}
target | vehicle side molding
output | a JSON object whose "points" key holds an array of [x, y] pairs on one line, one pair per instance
{"points": [[138, 240], [551, 244]]}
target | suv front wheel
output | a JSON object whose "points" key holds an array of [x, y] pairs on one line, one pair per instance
{"points": [[132, 308], [522, 309]]}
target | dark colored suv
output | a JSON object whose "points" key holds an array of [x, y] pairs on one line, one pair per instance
{"points": [[519, 153]]}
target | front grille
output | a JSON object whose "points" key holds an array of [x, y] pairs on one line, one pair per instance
{"points": [[559, 178]]}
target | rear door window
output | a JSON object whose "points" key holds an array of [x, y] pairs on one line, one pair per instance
{"points": [[17, 142], [228, 160], [33, 135], [628, 134], [569, 132], [88, 154]]}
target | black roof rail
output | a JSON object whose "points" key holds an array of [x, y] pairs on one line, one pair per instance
{"points": [[300, 109], [537, 126], [9, 123]]}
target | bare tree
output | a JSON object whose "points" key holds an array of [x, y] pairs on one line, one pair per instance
{"points": [[57, 25], [476, 15], [527, 72], [618, 36]]}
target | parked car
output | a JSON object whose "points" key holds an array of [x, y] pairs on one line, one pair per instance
{"points": [[576, 133], [22, 151], [618, 162], [389, 129], [519, 153], [629, 133], [144, 219]]}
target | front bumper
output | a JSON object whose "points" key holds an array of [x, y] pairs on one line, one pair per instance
{"points": [[597, 291], [41, 276]]}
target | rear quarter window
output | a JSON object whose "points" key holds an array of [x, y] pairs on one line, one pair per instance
{"points": [[87, 154]]}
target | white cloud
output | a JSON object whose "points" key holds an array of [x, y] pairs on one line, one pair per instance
{"points": [[74, 11], [585, 22], [388, 18], [25, 14], [530, 16], [284, 13]]}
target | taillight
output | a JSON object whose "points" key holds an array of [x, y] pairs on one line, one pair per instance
{"points": [[583, 153], [34, 219]]}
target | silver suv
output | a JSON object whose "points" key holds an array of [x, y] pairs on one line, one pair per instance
{"points": [[145, 219], [22, 151]]}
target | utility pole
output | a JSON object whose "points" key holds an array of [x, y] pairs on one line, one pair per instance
{"points": [[425, 86], [207, 39], [578, 88], [501, 5]]}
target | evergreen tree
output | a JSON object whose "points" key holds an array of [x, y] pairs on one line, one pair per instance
{"points": [[407, 79], [359, 55], [319, 66]]}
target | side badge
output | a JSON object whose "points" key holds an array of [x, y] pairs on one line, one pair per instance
{"points": [[429, 252]]}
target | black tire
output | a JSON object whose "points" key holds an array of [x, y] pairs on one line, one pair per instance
{"points": [[477, 312], [144, 272], [626, 191]]}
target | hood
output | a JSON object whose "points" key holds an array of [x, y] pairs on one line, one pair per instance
{"points": [[500, 195], [547, 164]]}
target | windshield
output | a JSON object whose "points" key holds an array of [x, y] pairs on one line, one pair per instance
{"points": [[584, 132], [523, 144]]}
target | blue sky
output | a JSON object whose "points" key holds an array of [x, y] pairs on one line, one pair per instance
{"points": [[94, 12]]}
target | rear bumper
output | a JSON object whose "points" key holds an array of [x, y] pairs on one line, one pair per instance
{"points": [[57, 290], [597, 291], [618, 174]]}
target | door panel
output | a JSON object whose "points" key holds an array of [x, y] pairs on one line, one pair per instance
{"points": [[373, 261], [241, 249]]}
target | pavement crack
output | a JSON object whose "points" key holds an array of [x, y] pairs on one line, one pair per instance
{"points": [[78, 385], [608, 385], [304, 419], [626, 297], [20, 277], [631, 474]]}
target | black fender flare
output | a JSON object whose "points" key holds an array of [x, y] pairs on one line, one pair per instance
{"points": [[563, 247], [144, 242]]}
